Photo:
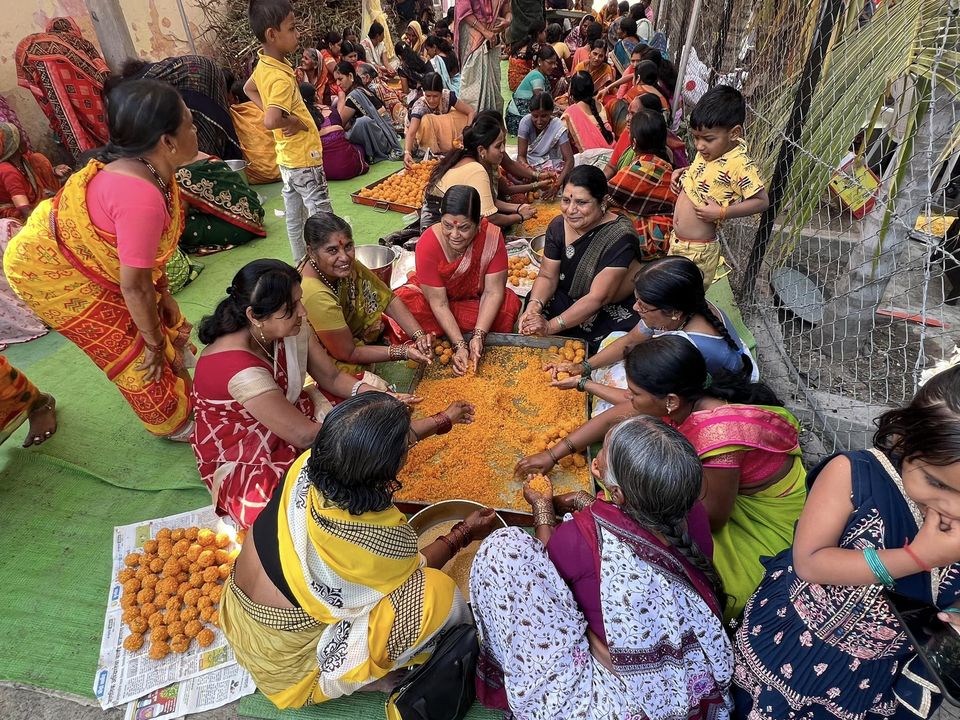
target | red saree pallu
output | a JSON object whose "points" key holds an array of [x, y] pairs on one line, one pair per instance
{"points": [[463, 279], [68, 272], [517, 69], [65, 73], [18, 397]]}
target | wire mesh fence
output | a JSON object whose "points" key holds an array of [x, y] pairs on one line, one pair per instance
{"points": [[850, 282]]}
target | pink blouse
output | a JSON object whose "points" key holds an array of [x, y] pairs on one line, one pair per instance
{"points": [[132, 209]]}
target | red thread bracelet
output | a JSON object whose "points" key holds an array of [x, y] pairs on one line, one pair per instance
{"points": [[915, 557]]}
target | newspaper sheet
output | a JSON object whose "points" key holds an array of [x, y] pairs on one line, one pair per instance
{"points": [[123, 676], [195, 695]]}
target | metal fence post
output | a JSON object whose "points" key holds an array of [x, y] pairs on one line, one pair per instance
{"points": [[809, 77]]}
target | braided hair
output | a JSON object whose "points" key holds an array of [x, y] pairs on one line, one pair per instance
{"points": [[676, 283], [660, 476], [582, 90]]}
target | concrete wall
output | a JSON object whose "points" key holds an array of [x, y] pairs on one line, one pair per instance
{"points": [[155, 28]]}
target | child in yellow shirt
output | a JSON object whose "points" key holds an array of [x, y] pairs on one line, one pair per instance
{"points": [[722, 182], [274, 88]]}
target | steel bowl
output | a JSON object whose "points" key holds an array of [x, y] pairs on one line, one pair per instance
{"points": [[536, 247], [378, 259], [446, 511]]}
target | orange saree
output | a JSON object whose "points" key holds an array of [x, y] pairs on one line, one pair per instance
{"points": [[68, 272]]}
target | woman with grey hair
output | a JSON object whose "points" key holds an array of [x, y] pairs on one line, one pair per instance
{"points": [[626, 620]]}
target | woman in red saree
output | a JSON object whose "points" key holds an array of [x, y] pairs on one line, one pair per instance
{"points": [[26, 177], [460, 279], [65, 73]]}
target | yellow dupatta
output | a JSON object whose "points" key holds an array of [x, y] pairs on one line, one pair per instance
{"points": [[68, 272], [361, 576]]}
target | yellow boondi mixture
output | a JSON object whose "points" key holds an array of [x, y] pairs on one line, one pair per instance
{"points": [[517, 414]]}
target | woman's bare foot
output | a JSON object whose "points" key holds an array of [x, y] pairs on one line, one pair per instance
{"points": [[388, 683], [43, 421]]}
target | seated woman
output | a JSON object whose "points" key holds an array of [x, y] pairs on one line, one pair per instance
{"points": [[623, 152], [542, 140], [670, 301], [476, 164], [253, 413], [311, 71], [349, 52], [365, 118], [627, 40], [222, 211], [460, 280], [437, 120], [375, 49], [873, 518], [643, 80], [590, 133], [26, 177], [582, 52], [256, 142], [347, 304], [444, 62], [554, 37], [533, 84], [642, 188], [204, 90], [342, 160], [523, 54], [389, 96], [411, 69], [589, 260], [748, 443], [331, 552], [627, 617], [596, 65], [328, 58]]}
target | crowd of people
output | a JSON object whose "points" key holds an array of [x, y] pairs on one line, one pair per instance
{"points": [[710, 577]]}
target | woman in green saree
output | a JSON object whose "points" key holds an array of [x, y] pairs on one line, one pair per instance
{"points": [[346, 302]]}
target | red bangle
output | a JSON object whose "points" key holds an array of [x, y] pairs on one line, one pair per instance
{"points": [[443, 422], [915, 557]]}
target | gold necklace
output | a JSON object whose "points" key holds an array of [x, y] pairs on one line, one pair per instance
{"points": [[271, 355]]}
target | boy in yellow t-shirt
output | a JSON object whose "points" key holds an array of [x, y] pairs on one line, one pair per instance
{"points": [[722, 182], [274, 88]]}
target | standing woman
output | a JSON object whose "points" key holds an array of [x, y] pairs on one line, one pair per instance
{"points": [[90, 262], [460, 280], [476, 29], [365, 117], [65, 74]]}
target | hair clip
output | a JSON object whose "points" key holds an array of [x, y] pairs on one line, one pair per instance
{"points": [[707, 381]]}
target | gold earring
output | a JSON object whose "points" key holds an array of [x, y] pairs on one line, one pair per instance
{"points": [[263, 337]]}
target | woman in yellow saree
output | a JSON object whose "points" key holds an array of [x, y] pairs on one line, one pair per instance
{"points": [[329, 594], [90, 261]]}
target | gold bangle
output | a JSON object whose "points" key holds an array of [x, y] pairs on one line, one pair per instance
{"points": [[543, 513]]}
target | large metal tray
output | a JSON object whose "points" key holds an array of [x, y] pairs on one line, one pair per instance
{"points": [[509, 515], [382, 205]]}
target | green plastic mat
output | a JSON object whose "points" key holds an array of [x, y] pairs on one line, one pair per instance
{"points": [[60, 502], [98, 432], [56, 528], [359, 706]]}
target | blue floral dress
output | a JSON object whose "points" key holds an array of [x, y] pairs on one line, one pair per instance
{"points": [[809, 652]]}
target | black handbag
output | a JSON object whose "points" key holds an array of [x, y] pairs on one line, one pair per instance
{"points": [[443, 688]]}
